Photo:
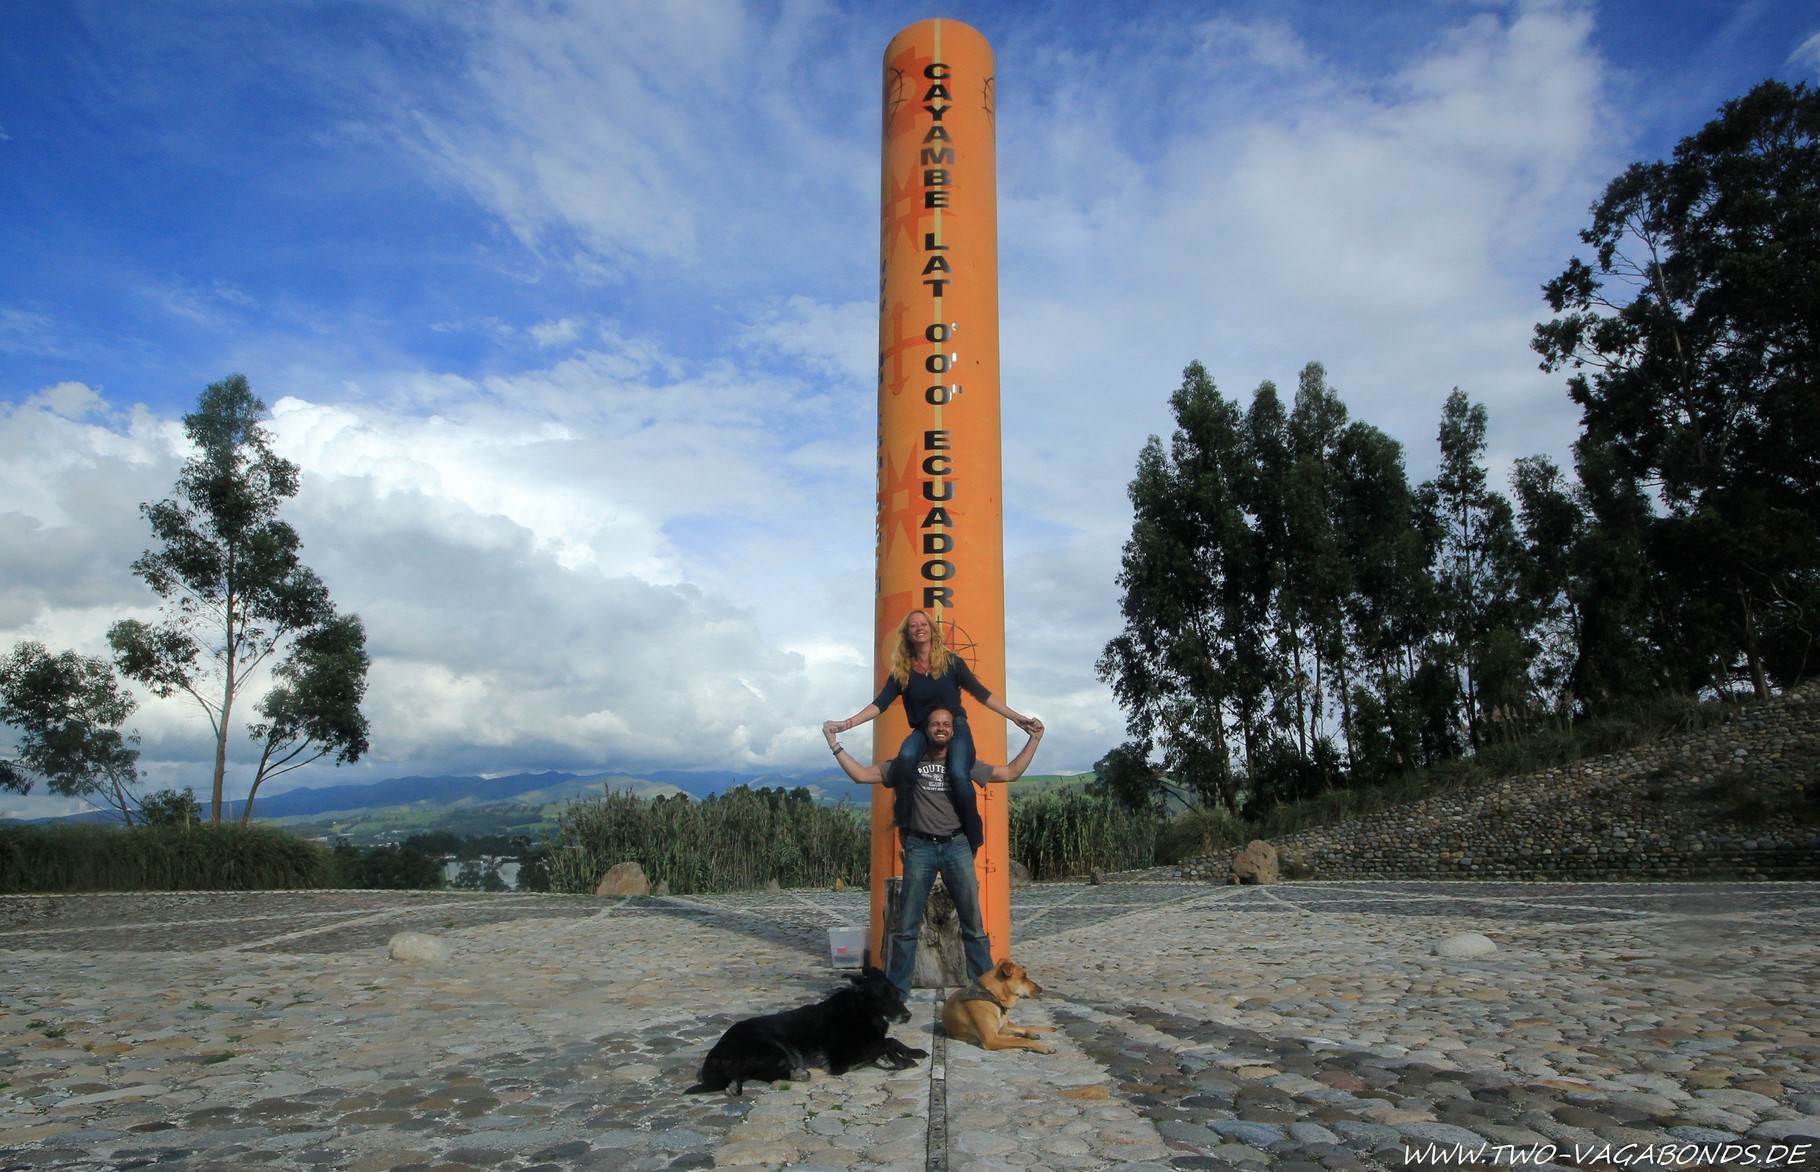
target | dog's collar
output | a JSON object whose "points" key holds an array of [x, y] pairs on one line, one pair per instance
{"points": [[979, 992]]}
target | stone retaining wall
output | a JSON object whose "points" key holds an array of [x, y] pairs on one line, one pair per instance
{"points": [[1738, 800]]}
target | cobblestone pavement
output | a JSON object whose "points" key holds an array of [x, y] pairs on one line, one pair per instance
{"points": [[1299, 1027]]}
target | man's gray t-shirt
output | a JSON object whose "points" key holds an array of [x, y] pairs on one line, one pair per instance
{"points": [[931, 810]]}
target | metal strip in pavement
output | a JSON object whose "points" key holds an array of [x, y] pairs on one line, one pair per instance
{"points": [[936, 1159]]}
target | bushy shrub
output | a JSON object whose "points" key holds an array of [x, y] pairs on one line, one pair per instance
{"points": [[170, 807], [404, 866], [534, 869], [184, 857], [1200, 831]]}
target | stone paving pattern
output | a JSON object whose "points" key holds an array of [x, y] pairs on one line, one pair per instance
{"points": [[1300, 1027]]}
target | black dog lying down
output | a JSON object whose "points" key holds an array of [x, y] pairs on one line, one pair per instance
{"points": [[846, 1030]]}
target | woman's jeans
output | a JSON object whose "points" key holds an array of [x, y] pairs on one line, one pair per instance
{"points": [[923, 861], [960, 751]]}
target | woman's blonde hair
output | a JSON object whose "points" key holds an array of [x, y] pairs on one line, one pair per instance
{"points": [[903, 654]]}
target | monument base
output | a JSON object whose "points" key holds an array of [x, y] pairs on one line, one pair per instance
{"points": [[941, 957]]}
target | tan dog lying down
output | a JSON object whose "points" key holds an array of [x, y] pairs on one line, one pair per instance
{"points": [[979, 1013]]}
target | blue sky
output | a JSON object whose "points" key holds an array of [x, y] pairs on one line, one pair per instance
{"points": [[564, 309]]}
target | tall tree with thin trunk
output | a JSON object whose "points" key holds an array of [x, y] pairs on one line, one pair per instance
{"points": [[1554, 525], [1174, 667], [1391, 606], [1319, 576], [1478, 565], [1266, 627], [233, 592]]}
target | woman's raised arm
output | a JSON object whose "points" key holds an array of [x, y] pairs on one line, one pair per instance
{"points": [[1027, 723], [862, 716]]}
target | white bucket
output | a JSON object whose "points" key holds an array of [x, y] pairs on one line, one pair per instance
{"points": [[846, 947]]}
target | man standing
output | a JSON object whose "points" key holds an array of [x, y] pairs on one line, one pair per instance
{"points": [[938, 823]]}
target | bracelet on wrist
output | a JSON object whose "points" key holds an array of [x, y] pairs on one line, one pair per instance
{"points": [[839, 749]]}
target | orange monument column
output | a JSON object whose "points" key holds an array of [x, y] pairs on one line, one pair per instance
{"points": [[940, 524]]}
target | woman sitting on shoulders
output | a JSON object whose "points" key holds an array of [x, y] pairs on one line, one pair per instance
{"points": [[928, 676]]}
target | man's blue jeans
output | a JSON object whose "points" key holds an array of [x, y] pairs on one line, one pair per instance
{"points": [[923, 861]]}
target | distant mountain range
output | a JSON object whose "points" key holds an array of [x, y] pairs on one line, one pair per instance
{"points": [[529, 789], [525, 789], [519, 789], [518, 799]]}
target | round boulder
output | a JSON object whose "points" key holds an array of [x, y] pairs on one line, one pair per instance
{"points": [[1466, 944], [624, 879], [418, 948], [1257, 863]]}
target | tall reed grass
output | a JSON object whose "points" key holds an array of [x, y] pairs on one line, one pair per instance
{"points": [[1066, 832], [737, 840], [205, 857]]}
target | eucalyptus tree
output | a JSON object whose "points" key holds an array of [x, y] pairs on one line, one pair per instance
{"points": [[1319, 577], [312, 711], [1391, 607], [1554, 525], [234, 595], [1296, 621], [1692, 340], [1278, 569], [1477, 566], [67, 711], [1265, 624], [1184, 573]]}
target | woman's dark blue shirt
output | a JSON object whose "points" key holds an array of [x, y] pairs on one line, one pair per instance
{"points": [[926, 693]]}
